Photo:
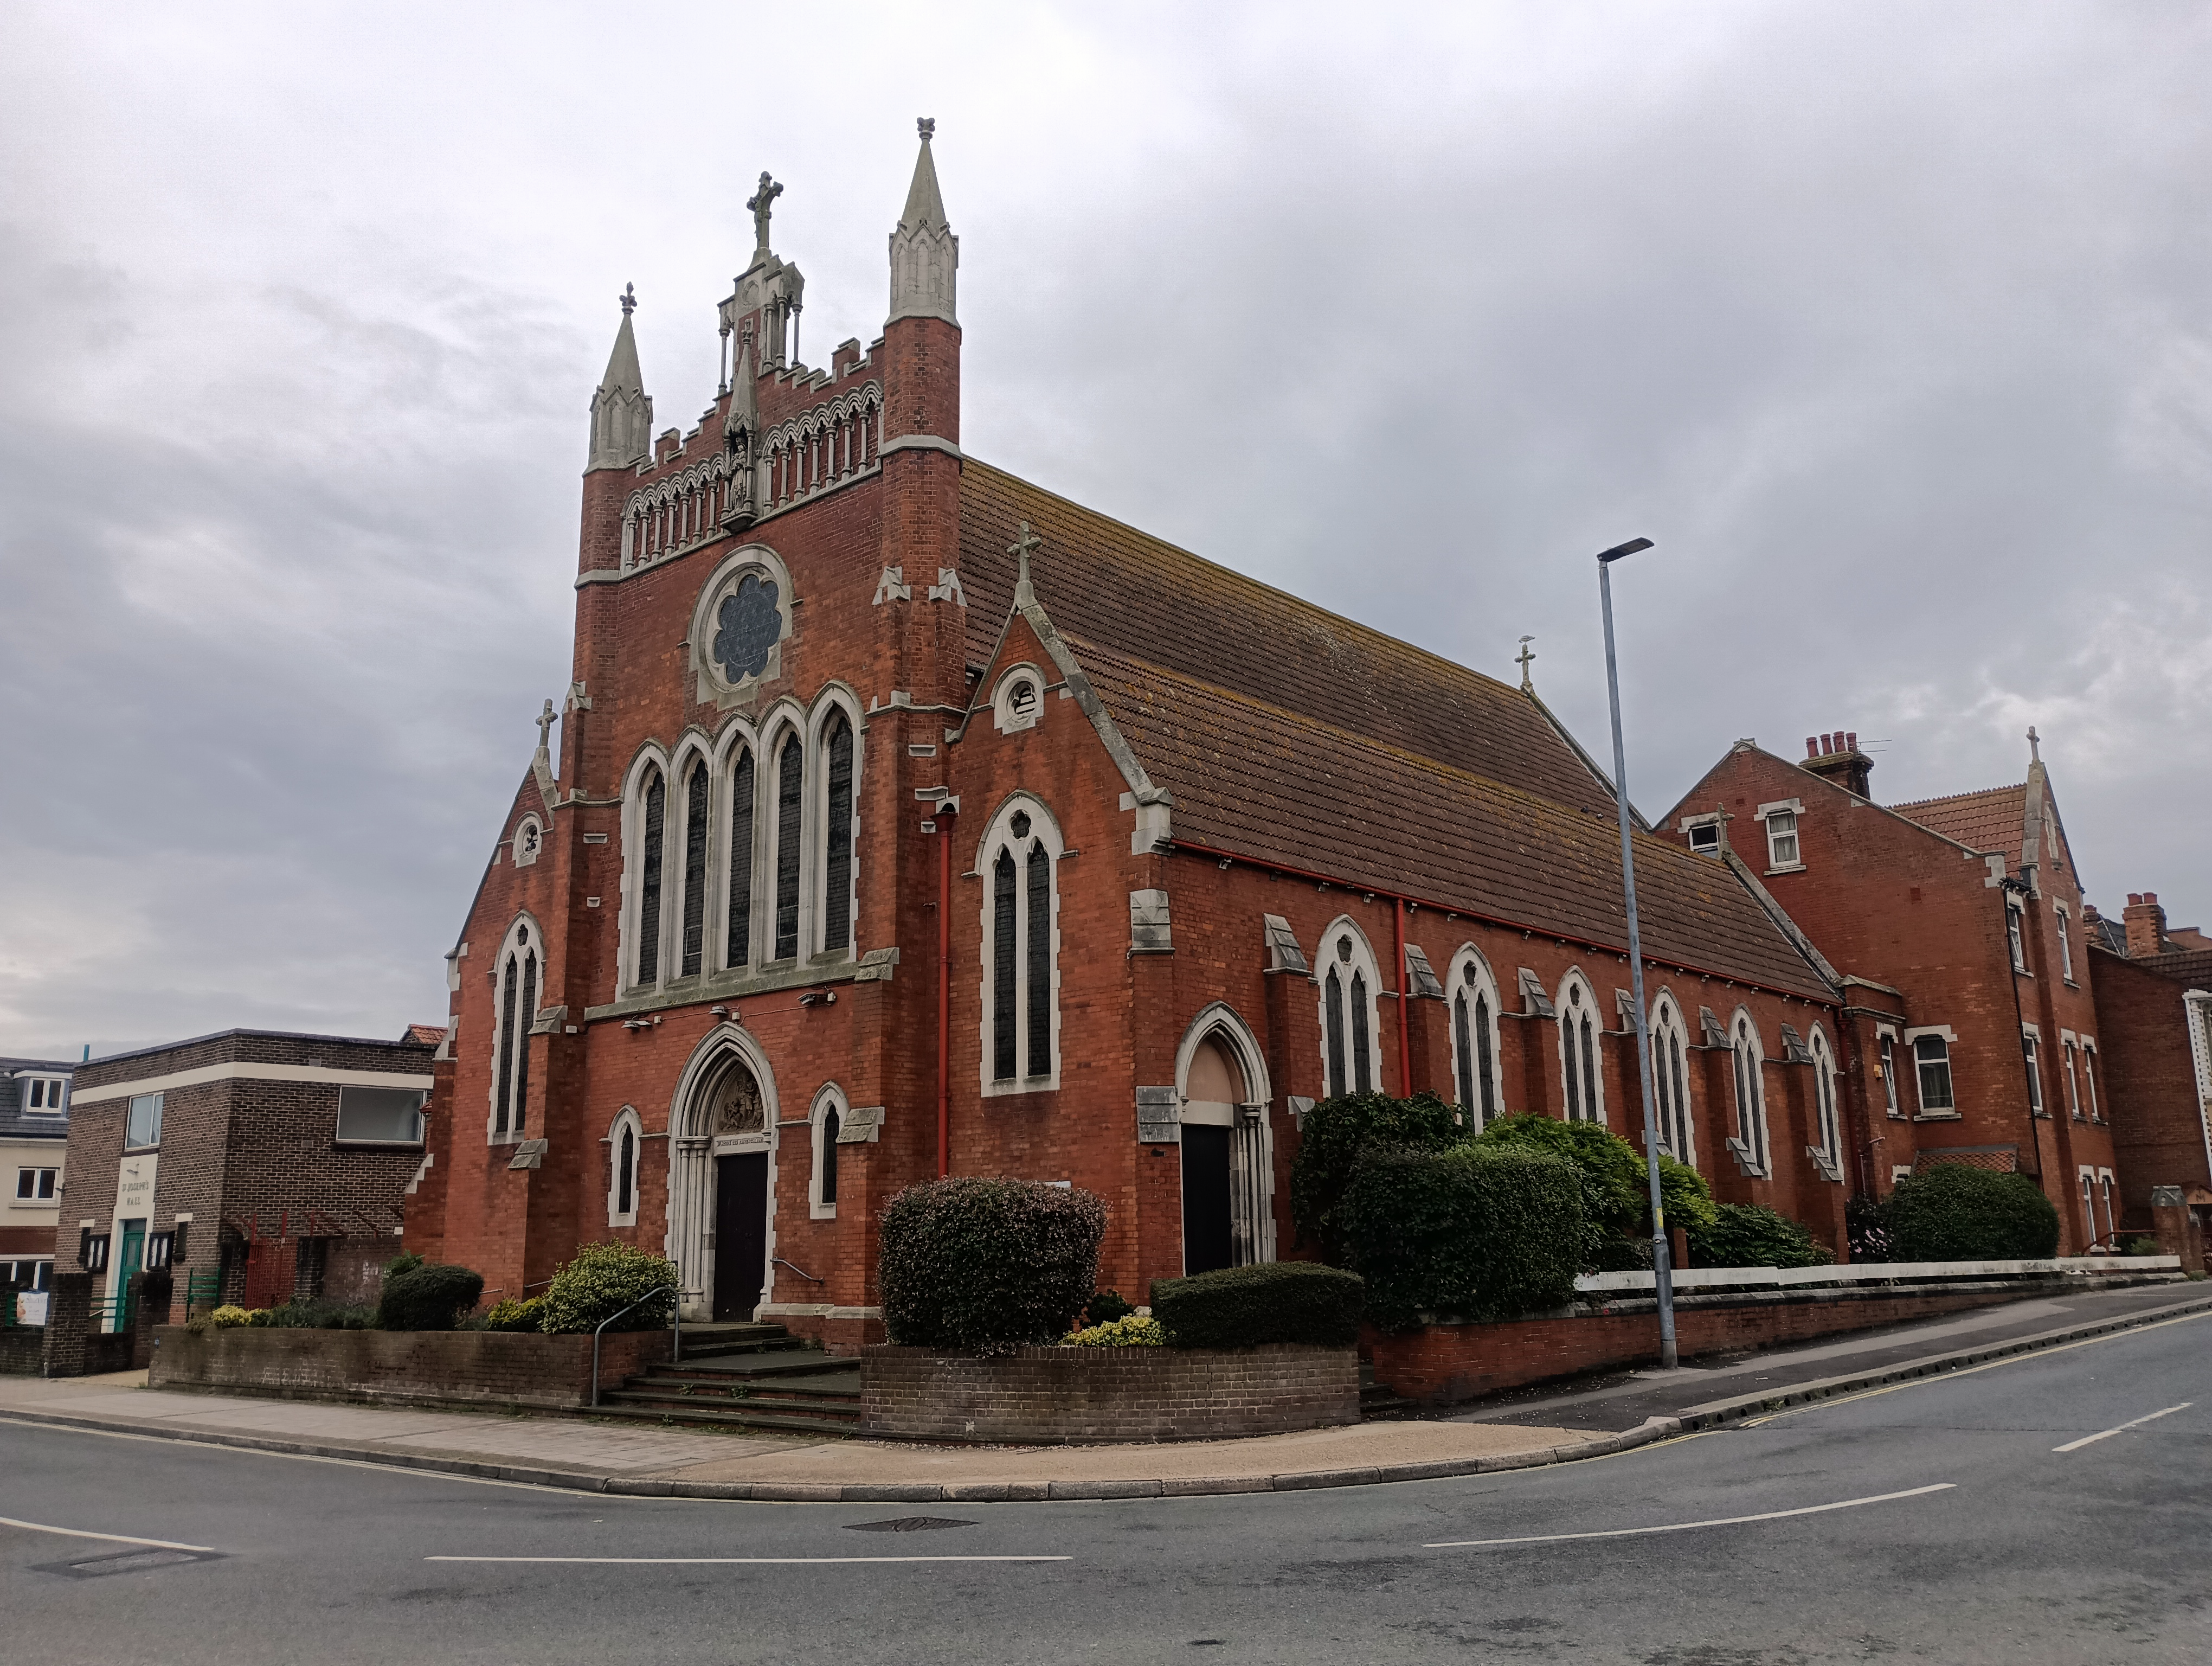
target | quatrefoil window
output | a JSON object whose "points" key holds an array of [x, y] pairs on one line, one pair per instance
{"points": [[747, 625]]}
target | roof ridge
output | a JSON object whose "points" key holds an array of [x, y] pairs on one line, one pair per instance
{"points": [[1953, 798], [1300, 602]]}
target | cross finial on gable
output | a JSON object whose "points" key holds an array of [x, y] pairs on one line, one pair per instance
{"points": [[1019, 549], [544, 727], [2034, 745], [1528, 657]]}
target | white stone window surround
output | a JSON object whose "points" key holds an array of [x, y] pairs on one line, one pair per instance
{"points": [[1677, 1101], [621, 1211], [1345, 960], [2065, 946], [1581, 1054], [1828, 1155], [1782, 822], [2016, 935], [1472, 980], [997, 836], [2107, 1182], [1703, 831], [2088, 1045], [528, 841], [1252, 1146], [712, 685], [829, 1098], [524, 938], [1949, 1038], [693, 1147], [1747, 1062], [1886, 1044], [2031, 1042], [833, 700], [1011, 712]]}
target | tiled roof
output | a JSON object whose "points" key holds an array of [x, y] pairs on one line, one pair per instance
{"points": [[17, 1121], [1989, 821], [428, 1034], [2192, 967], [1112, 585], [1274, 785]]}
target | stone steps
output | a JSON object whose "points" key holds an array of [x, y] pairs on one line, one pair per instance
{"points": [[744, 1376]]}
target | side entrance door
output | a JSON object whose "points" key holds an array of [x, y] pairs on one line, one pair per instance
{"points": [[127, 1263], [1208, 1232], [740, 1233]]}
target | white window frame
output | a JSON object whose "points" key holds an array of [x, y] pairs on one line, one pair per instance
{"points": [[1329, 962], [2088, 1177], [627, 1121], [631, 977], [1003, 718], [1886, 1044], [2065, 944], [1667, 1023], [1913, 1037], [129, 1116], [1581, 1019], [831, 1097], [2069, 1046], [1473, 981], [2089, 1074], [523, 936], [1795, 809], [421, 1120], [2107, 1182], [55, 1094], [997, 836], [1692, 826], [814, 826], [523, 849], [1748, 1067], [36, 1198], [1827, 1113], [2016, 935], [2030, 1048]]}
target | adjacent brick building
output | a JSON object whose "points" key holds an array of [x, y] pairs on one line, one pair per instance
{"points": [[907, 819], [273, 1162], [33, 1167], [1954, 926], [2154, 990]]}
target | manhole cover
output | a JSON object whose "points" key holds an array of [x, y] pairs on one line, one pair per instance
{"points": [[905, 1524], [128, 1562]]}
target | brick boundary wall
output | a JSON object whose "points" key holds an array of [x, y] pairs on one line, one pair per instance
{"points": [[1444, 1364], [21, 1348], [1058, 1396], [408, 1367]]}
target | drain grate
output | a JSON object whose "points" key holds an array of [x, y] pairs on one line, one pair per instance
{"points": [[128, 1562], [906, 1524]]}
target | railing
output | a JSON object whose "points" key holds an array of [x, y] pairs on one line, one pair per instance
{"points": [[675, 1324], [801, 1271], [202, 1290], [1861, 1273], [112, 1314]]}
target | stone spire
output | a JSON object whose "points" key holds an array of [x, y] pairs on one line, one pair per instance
{"points": [[622, 415], [925, 254]]}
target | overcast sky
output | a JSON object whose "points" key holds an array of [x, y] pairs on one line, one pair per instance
{"points": [[1892, 325]]}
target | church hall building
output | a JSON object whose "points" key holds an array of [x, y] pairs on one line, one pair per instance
{"points": [[907, 819]]}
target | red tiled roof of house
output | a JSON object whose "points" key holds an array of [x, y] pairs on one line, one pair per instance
{"points": [[1112, 585], [1989, 821], [428, 1034], [2192, 967]]}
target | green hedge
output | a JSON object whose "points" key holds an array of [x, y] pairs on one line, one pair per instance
{"points": [[1953, 1212], [1479, 1231], [1336, 1132], [1617, 1191], [987, 1266], [427, 1296], [1751, 1234], [1249, 1307], [598, 1282]]}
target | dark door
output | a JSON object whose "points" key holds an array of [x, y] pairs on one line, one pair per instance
{"points": [[740, 1233], [1207, 1242]]}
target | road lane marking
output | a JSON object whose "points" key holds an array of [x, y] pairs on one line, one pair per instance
{"points": [[2120, 1428], [112, 1538], [735, 1561], [1968, 1370], [1685, 1527]]}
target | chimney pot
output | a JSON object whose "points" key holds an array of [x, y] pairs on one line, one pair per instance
{"points": [[2149, 898], [1812, 747], [2135, 899], [1851, 741]]}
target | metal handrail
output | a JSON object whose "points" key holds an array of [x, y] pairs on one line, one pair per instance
{"points": [[802, 1272], [675, 1324]]}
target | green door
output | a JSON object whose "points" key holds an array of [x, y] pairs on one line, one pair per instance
{"points": [[127, 1263]]}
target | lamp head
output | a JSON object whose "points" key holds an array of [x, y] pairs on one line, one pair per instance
{"points": [[1634, 545]]}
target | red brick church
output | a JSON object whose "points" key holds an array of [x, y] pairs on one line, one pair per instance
{"points": [[907, 819]]}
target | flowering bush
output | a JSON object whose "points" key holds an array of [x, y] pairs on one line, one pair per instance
{"points": [[513, 1314], [1133, 1331], [229, 1315], [602, 1280]]}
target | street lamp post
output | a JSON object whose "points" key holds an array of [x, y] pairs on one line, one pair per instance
{"points": [[1662, 1272]]}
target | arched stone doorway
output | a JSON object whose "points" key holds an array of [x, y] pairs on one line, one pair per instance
{"points": [[1227, 1148], [721, 1192]]}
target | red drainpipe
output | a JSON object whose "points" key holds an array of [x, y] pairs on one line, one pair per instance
{"points": [[943, 995], [1405, 999]]}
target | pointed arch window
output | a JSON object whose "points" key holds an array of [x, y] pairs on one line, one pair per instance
{"points": [[517, 972], [694, 951], [738, 950], [790, 772], [1749, 1141], [1021, 940], [625, 1152], [651, 828], [1578, 1054], [1348, 999], [1670, 1082], [837, 836], [1474, 1038], [1830, 1152], [828, 1121]]}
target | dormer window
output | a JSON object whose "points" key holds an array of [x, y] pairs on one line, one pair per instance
{"points": [[42, 1096], [1706, 838]]}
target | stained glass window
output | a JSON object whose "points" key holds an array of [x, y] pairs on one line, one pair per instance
{"points": [[1004, 1057], [837, 839], [648, 891], [695, 872], [528, 1016], [746, 628], [741, 859], [1040, 960], [789, 771]]}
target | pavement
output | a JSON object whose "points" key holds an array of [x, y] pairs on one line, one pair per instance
{"points": [[2041, 1508], [1526, 1430]]}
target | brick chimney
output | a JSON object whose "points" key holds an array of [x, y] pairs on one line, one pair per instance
{"points": [[2146, 925], [1836, 756]]}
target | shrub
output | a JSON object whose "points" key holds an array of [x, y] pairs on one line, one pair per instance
{"points": [[229, 1315], [1479, 1231], [1106, 1307], [1955, 1213], [1866, 1221], [260, 1318], [514, 1315], [2141, 1246], [1336, 1132], [1249, 1307], [1131, 1331], [1617, 1192], [986, 1266], [315, 1313], [599, 1281], [1751, 1234], [427, 1296]]}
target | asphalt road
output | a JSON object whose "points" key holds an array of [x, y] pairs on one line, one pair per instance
{"points": [[2027, 1553]]}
